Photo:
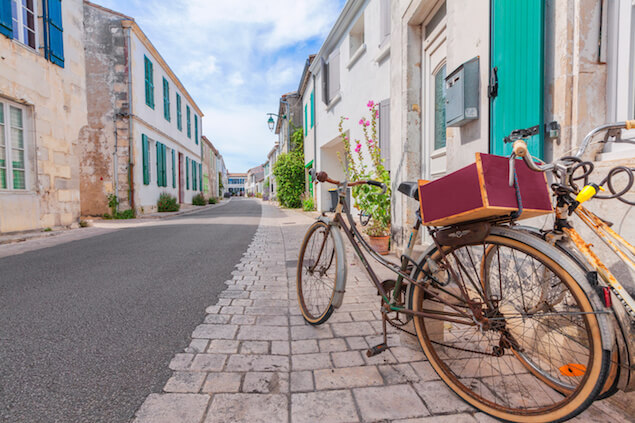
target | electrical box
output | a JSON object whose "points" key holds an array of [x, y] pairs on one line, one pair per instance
{"points": [[462, 94]]}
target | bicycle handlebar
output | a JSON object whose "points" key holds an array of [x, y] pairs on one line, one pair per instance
{"points": [[324, 177]]}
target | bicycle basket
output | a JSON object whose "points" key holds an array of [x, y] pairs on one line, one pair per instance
{"points": [[481, 191]]}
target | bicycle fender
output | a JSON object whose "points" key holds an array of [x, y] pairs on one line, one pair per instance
{"points": [[340, 258]]}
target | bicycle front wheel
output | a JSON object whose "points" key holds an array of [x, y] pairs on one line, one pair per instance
{"points": [[510, 326], [317, 274]]}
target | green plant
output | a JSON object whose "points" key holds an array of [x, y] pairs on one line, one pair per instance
{"points": [[126, 214], [366, 197], [167, 203], [307, 203], [198, 200], [212, 200], [220, 181], [47, 230], [83, 223], [113, 202], [259, 195], [289, 173], [266, 184]]}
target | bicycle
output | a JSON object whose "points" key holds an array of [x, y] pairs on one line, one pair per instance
{"points": [[509, 321], [564, 236]]}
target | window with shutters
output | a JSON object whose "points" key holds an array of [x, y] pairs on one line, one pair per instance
{"points": [[173, 169], [384, 131], [305, 119], [356, 36], [145, 151], [166, 99], [23, 18], [162, 180], [331, 77], [187, 173], [200, 176], [196, 129], [179, 120], [384, 21], [13, 146], [312, 108], [194, 175], [149, 78], [187, 118]]}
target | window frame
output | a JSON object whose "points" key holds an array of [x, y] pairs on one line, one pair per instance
{"points": [[21, 26], [8, 146]]}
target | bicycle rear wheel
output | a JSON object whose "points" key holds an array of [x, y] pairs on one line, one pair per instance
{"points": [[513, 326], [317, 274]]}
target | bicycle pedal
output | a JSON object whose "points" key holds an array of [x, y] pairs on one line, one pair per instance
{"points": [[377, 349]]}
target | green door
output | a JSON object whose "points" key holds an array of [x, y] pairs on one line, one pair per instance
{"points": [[517, 52]]}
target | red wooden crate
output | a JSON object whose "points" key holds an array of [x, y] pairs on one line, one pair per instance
{"points": [[481, 190]]}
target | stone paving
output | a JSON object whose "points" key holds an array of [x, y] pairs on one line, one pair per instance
{"points": [[254, 359]]}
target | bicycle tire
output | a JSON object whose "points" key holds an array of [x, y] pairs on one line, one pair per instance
{"points": [[447, 362], [309, 285]]}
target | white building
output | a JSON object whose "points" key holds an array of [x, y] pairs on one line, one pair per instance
{"points": [[351, 68], [156, 147], [236, 183], [272, 157]]}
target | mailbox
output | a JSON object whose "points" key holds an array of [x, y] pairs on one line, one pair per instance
{"points": [[462, 94]]}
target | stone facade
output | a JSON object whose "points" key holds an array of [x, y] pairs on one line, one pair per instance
{"points": [[53, 104], [210, 168]]}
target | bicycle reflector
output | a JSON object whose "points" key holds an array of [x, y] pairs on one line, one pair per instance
{"points": [[573, 369], [588, 192], [608, 301]]}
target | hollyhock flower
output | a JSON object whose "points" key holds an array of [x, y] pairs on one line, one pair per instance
{"points": [[358, 148], [370, 103], [377, 114], [361, 121], [367, 123]]}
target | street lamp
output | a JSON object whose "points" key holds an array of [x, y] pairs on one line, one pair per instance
{"points": [[271, 122]]}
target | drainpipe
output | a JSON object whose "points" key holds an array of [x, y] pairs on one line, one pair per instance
{"points": [[130, 114], [315, 157], [114, 159], [288, 125]]}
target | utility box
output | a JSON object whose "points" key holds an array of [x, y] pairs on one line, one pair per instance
{"points": [[462, 94]]}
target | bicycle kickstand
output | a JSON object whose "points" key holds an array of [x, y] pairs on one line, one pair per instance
{"points": [[378, 349]]}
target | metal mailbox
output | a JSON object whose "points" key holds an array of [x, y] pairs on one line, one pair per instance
{"points": [[462, 94]]}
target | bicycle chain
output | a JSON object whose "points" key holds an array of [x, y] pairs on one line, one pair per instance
{"points": [[628, 309]]}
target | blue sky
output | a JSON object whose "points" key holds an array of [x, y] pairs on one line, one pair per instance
{"points": [[235, 57]]}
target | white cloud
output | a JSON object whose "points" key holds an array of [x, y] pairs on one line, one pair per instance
{"points": [[235, 58]]}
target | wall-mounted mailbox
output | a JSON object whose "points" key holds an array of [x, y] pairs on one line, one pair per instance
{"points": [[461, 102]]}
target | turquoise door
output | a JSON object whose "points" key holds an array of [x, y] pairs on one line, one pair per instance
{"points": [[517, 52]]}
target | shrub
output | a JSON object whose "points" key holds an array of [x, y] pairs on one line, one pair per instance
{"points": [[113, 202], [212, 200], [167, 203], [198, 200], [83, 224], [126, 214], [289, 173], [308, 204], [259, 195]]}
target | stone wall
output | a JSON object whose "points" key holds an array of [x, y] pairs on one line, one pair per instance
{"points": [[55, 102], [102, 169]]}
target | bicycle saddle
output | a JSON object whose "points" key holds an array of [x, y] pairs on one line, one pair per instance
{"points": [[411, 189]]}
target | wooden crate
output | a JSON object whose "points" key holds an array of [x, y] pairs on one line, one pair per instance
{"points": [[481, 190]]}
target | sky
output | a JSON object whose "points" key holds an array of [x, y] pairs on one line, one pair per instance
{"points": [[235, 58]]}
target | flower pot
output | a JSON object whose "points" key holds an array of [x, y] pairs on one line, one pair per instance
{"points": [[379, 243]]}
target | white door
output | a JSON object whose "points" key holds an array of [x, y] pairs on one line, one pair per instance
{"points": [[434, 55]]}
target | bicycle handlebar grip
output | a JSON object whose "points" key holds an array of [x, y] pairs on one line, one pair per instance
{"points": [[378, 185], [321, 176], [630, 124], [520, 148]]}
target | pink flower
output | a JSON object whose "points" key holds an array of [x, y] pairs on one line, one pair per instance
{"points": [[361, 121], [346, 138], [370, 103], [377, 114], [370, 142], [358, 148], [345, 118], [367, 123]]}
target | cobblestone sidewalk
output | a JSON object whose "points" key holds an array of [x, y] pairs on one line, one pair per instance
{"points": [[255, 360]]}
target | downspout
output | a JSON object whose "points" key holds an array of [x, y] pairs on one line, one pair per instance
{"points": [[130, 137], [114, 159], [288, 125], [315, 157]]}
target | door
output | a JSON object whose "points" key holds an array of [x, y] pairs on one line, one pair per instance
{"points": [[434, 54], [180, 177], [517, 77]]}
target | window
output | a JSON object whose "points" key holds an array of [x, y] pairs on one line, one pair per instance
{"points": [[384, 21], [23, 21], [187, 173], [166, 99], [200, 176], [162, 179], [384, 131], [187, 118], [439, 108], [356, 36], [145, 149], [12, 146], [149, 82], [179, 120], [194, 175], [331, 77], [196, 129]]}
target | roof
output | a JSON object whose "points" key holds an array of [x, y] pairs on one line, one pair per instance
{"points": [[281, 111], [273, 150], [236, 174], [304, 80], [105, 9], [206, 140]]}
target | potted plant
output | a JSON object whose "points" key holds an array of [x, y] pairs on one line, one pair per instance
{"points": [[367, 198]]}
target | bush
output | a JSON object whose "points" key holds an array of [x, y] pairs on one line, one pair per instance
{"points": [[212, 200], [167, 203], [198, 200], [289, 173], [259, 195], [308, 204], [126, 214]]}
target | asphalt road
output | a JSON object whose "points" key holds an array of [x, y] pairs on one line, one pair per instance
{"points": [[88, 327]]}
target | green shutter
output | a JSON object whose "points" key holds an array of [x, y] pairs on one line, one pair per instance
{"points": [[306, 122], [149, 78], [517, 53], [179, 121], [196, 129], [145, 153], [187, 173], [194, 175], [158, 164], [312, 109], [6, 24], [173, 169], [53, 32], [187, 118], [200, 176], [166, 99]]}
